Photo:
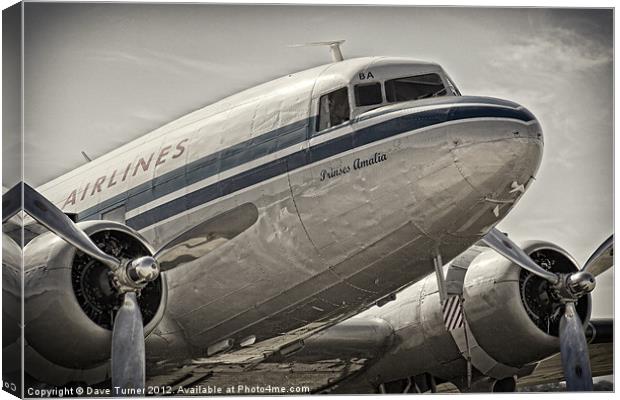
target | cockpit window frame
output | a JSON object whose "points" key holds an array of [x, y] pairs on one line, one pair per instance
{"points": [[318, 129], [452, 86], [446, 87]]}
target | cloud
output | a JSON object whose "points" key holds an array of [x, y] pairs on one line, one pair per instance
{"points": [[554, 50], [564, 77], [146, 58]]}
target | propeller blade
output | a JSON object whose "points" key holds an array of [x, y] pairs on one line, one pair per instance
{"points": [[128, 356], [507, 248], [50, 216], [11, 202], [574, 351], [602, 259]]}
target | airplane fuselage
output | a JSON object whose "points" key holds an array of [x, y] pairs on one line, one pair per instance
{"points": [[347, 213]]}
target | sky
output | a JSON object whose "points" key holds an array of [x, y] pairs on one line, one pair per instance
{"points": [[99, 75]]}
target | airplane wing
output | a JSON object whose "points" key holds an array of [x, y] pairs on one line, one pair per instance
{"points": [[311, 358], [550, 369], [600, 348]]}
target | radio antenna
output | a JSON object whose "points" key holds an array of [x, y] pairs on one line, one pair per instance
{"points": [[334, 48]]}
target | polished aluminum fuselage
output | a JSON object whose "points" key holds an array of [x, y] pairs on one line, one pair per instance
{"points": [[346, 216]]}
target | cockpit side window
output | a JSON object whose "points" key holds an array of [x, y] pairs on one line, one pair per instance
{"points": [[414, 88], [368, 94], [333, 109]]}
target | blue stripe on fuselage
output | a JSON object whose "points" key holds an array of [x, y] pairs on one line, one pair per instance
{"points": [[269, 143]]}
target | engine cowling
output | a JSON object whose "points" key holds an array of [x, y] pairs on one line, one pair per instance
{"points": [[509, 313], [506, 304], [70, 303]]}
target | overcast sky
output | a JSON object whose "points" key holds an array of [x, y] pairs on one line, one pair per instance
{"points": [[98, 75]]}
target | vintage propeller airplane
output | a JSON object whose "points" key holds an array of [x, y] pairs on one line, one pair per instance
{"points": [[249, 232]]}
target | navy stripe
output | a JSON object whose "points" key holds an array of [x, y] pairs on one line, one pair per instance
{"points": [[234, 156], [205, 167], [436, 101], [299, 159]]}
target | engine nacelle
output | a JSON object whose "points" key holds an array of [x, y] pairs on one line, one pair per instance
{"points": [[510, 311], [70, 303]]}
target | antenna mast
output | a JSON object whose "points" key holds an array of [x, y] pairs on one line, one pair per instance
{"points": [[334, 48]]}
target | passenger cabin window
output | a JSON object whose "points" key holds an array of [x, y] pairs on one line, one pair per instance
{"points": [[368, 95], [333, 109], [414, 88]]}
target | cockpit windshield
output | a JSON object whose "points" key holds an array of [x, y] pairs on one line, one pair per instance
{"points": [[414, 88]]}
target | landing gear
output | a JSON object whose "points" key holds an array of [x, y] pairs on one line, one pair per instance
{"points": [[441, 279]]}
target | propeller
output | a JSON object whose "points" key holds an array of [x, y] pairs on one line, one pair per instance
{"points": [[50, 216], [574, 351], [567, 288], [128, 370], [602, 258], [129, 276], [11, 202]]}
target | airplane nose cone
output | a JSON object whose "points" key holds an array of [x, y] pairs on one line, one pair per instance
{"points": [[497, 155]]}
